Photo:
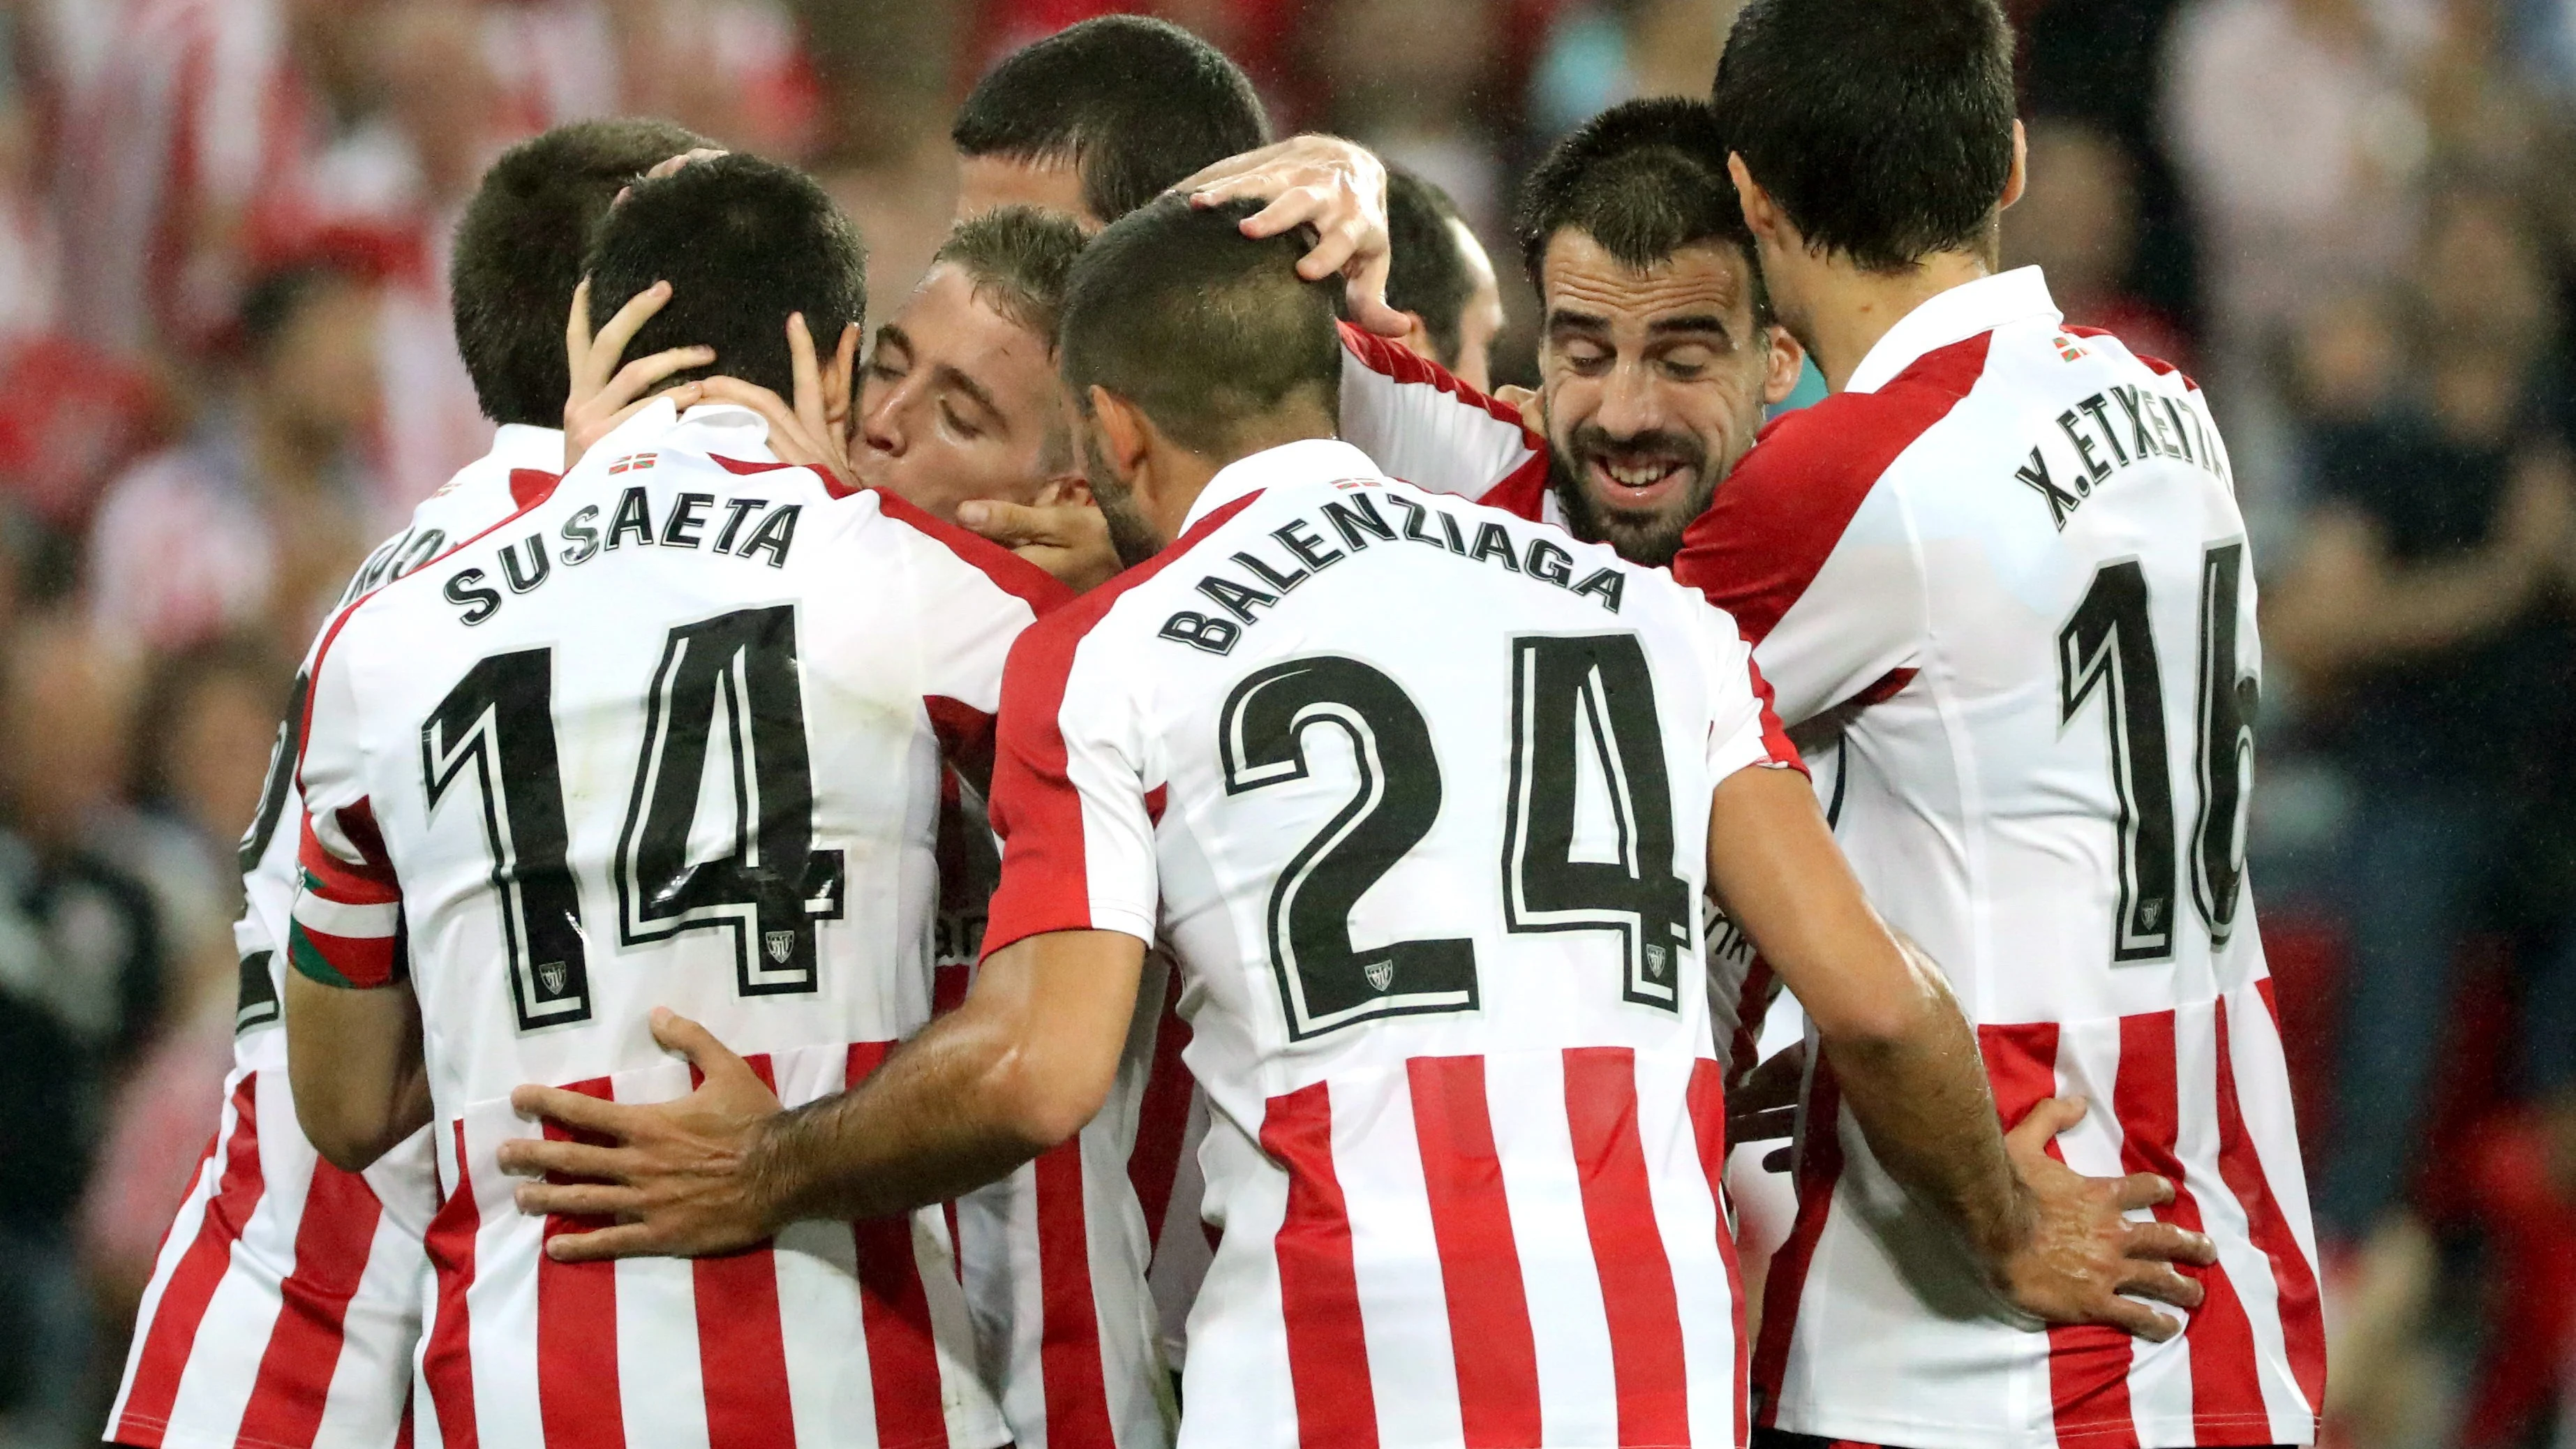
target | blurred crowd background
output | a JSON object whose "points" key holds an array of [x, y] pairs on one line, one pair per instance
{"points": [[225, 372]]}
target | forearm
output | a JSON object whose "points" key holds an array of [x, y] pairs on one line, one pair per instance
{"points": [[942, 1117], [353, 1058], [1920, 1096]]}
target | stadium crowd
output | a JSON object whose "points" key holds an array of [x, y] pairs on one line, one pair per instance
{"points": [[227, 371]]}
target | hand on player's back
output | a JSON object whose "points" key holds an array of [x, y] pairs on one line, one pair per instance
{"points": [[672, 1178], [2083, 1252], [815, 429]]}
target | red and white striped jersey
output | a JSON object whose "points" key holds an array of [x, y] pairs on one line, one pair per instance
{"points": [[2014, 547], [285, 1303], [1421, 424], [1439, 957], [671, 737]]}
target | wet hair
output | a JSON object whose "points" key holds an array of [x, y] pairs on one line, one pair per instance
{"points": [[1203, 328], [518, 255], [1134, 104], [1883, 128], [1644, 179], [1427, 273], [1018, 259], [743, 242]]}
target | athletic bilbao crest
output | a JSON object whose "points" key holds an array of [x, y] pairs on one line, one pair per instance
{"points": [[1381, 972], [551, 975], [782, 944]]}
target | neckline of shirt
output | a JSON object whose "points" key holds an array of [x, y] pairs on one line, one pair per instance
{"points": [[1956, 315], [1287, 463]]}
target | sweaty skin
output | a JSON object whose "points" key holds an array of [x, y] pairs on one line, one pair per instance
{"points": [[959, 403], [1654, 382]]}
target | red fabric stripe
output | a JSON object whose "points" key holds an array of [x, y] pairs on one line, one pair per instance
{"points": [[368, 882], [2088, 1366], [1786, 504], [447, 1356], [965, 735], [1010, 573], [2294, 1278], [577, 1373], [1627, 1248], [1820, 1167], [532, 486], [1034, 808], [333, 1237], [833, 484], [1162, 1115], [1480, 1264], [742, 1343], [1708, 1126], [1774, 737], [894, 1312], [2226, 1381], [192, 1284], [1319, 1285], [1521, 492], [1069, 1361], [366, 962]]}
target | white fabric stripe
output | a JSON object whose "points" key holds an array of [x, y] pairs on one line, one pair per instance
{"points": [[830, 1384], [997, 1229], [425, 1430], [317, 912], [1136, 1385], [2223, 1218], [2254, 1048], [973, 1420], [1689, 1221], [223, 1363], [659, 1389], [1181, 1252], [183, 1233], [1238, 1335], [1403, 1311], [501, 1301], [379, 1330], [1577, 1391]]}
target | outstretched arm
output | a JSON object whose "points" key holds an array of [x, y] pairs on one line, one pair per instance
{"points": [[1018, 1068], [2055, 1243]]}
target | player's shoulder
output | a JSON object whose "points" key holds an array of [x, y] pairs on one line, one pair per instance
{"points": [[964, 555], [2098, 336], [1845, 443]]}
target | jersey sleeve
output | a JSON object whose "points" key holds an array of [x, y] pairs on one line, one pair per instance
{"points": [[346, 929], [1743, 728], [1420, 424], [1072, 799], [975, 598], [1814, 563]]}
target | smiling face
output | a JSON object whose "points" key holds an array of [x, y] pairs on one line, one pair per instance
{"points": [[1654, 381], [958, 403]]}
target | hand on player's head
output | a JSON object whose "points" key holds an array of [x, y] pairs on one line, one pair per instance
{"points": [[605, 394], [1330, 184]]}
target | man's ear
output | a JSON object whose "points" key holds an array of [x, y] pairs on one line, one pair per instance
{"points": [[1761, 214], [1417, 337], [2019, 176], [1787, 362], [1123, 428]]}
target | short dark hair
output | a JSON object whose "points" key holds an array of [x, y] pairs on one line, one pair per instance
{"points": [[743, 242], [1134, 104], [1644, 179], [1427, 273], [519, 250], [1018, 259], [1204, 328], [1883, 128]]}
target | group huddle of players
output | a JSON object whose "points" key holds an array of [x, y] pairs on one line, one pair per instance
{"points": [[1354, 778]]}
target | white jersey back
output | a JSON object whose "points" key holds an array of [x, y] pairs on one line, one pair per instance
{"points": [[1416, 794], [285, 1303], [672, 738], [2013, 548]]}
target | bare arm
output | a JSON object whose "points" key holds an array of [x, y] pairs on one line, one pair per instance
{"points": [[1020, 1067], [2347, 602], [1908, 1067], [354, 1060]]}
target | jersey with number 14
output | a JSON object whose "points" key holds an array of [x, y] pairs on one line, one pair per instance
{"points": [[1416, 793], [670, 738]]}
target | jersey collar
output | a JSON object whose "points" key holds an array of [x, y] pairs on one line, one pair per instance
{"points": [[518, 445], [1307, 459], [1956, 315]]}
